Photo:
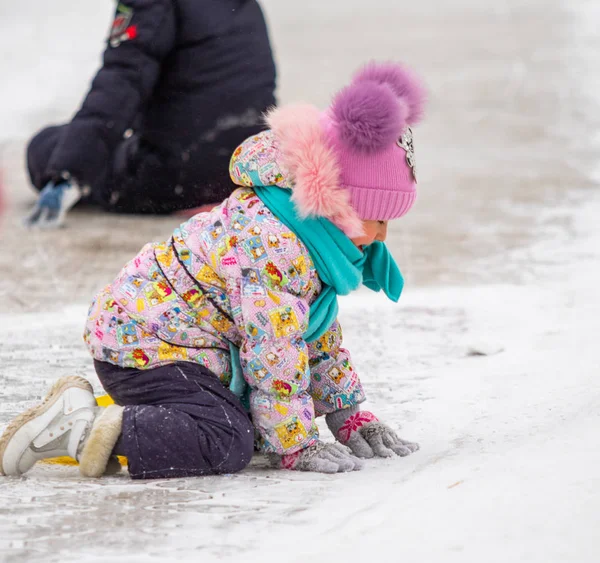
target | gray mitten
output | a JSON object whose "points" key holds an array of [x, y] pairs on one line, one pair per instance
{"points": [[362, 432], [320, 458]]}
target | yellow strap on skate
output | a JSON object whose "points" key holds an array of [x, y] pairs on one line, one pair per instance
{"points": [[102, 401]]}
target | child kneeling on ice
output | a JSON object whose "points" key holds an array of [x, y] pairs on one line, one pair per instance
{"points": [[230, 326]]}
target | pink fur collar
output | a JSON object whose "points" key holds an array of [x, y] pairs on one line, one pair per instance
{"points": [[313, 166]]}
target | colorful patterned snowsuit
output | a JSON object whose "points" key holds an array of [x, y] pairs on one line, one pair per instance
{"points": [[239, 275]]}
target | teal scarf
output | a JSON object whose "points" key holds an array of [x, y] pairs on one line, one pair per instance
{"points": [[341, 267]]}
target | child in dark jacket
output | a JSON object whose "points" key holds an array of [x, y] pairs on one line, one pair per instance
{"points": [[229, 329], [182, 84]]}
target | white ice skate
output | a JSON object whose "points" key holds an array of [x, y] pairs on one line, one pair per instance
{"points": [[68, 422]]}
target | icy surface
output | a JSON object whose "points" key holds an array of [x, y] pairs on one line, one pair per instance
{"points": [[489, 361]]}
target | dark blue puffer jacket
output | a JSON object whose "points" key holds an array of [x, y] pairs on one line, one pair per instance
{"points": [[176, 71]]}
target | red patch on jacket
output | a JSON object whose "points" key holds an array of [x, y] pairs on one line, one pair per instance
{"points": [[121, 30]]}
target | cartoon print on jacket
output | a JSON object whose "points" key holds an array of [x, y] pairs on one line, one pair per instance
{"points": [[186, 299]]}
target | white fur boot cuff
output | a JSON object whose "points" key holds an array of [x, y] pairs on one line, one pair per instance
{"points": [[101, 441]]}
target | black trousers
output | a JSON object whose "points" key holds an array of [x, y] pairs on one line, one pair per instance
{"points": [[143, 179], [179, 421]]}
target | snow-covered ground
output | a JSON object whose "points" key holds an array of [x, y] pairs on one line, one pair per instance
{"points": [[489, 361]]}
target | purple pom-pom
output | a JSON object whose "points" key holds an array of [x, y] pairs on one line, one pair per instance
{"points": [[369, 116], [403, 82]]}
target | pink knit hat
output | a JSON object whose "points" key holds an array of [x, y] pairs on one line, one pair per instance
{"points": [[353, 162], [368, 124]]}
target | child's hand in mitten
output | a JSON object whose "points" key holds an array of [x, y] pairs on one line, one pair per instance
{"points": [[54, 202], [320, 458], [362, 432]]}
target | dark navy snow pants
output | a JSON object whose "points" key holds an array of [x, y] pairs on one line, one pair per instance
{"points": [[179, 421], [142, 179]]}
